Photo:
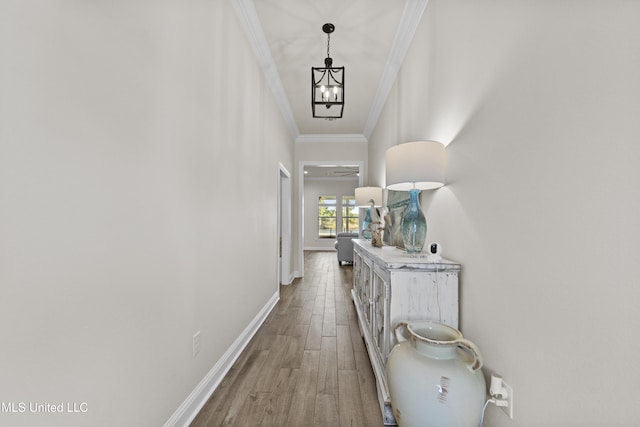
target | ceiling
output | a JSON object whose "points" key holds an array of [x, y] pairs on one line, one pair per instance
{"points": [[370, 40]]}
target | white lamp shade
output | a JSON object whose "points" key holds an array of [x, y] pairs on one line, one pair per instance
{"points": [[418, 164], [364, 195]]}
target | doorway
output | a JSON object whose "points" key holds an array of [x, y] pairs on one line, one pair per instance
{"points": [[342, 168]]}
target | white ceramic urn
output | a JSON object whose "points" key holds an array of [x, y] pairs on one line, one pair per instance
{"points": [[434, 377]]}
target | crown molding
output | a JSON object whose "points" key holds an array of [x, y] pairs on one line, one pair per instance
{"points": [[248, 17], [332, 137], [411, 16]]}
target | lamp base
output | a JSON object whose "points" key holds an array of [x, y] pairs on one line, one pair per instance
{"points": [[366, 231], [414, 225]]}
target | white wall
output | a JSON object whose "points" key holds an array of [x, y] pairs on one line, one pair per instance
{"points": [[313, 188], [540, 104], [139, 147]]}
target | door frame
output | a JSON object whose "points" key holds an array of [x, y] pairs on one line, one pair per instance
{"points": [[284, 226]]}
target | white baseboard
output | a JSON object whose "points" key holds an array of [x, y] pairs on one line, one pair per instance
{"points": [[183, 416], [320, 248], [291, 278]]}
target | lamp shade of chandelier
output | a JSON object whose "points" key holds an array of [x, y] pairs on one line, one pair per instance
{"points": [[327, 85]]}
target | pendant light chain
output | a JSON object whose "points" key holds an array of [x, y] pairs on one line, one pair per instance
{"points": [[328, 41]]}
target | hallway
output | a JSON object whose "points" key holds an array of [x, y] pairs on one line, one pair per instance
{"points": [[307, 365]]}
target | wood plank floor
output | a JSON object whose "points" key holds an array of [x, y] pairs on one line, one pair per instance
{"points": [[307, 365]]}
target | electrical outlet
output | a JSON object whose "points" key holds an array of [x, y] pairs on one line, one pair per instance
{"points": [[508, 409], [502, 394], [196, 343]]}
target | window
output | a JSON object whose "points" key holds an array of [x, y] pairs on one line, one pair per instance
{"points": [[327, 217], [337, 214], [350, 219]]}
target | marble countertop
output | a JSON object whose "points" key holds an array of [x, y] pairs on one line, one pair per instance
{"points": [[395, 258]]}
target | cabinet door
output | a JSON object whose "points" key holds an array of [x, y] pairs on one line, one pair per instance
{"points": [[357, 275], [379, 303], [365, 298]]}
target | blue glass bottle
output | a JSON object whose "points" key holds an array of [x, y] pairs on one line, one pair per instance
{"points": [[414, 225], [366, 232]]}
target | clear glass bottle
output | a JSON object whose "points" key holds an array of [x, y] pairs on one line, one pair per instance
{"points": [[414, 225], [366, 231]]}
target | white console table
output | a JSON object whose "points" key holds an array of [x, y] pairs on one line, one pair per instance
{"points": [[390, 287]]}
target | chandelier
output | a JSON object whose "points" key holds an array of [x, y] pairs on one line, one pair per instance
{"points": [[327, 85]]}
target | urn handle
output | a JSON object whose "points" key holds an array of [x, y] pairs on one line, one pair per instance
{"points": [[463, 343], [399, 337], [473, 350]]}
